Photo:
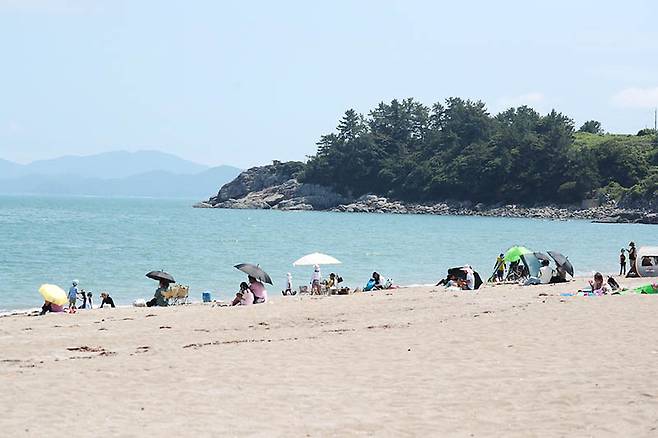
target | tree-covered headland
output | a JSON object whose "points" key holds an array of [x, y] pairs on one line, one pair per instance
{"points": [[458, 150]]}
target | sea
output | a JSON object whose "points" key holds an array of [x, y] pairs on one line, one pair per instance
{"points": [[109, 244]]}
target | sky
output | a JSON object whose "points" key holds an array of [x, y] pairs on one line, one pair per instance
{"points": [[247, 82]]}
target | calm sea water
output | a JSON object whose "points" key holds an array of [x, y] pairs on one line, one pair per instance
{"points": [[109, 244]]}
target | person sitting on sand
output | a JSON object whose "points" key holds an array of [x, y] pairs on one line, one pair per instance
{"points": [[544, 276], [106, 299], [158, 298], [258, 289], [50, 307], [469, 282], [453, 281], [332, 281], [378, 281], [599, 287], [244, 297], [545, 272]]}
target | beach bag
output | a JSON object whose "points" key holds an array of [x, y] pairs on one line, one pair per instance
{"points": [[388, 283], [369, 286], [140, 302]]}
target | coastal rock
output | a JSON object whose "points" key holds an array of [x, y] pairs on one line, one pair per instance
{"points": [[257, 179], [275, 187]]}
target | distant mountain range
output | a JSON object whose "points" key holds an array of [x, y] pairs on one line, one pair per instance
{"points": [[143, 173]]}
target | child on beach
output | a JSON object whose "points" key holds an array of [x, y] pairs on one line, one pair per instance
{"points": [[244, 297], [622, 262], [599, 287], [288, 290], [73, 295], [91, 306]]}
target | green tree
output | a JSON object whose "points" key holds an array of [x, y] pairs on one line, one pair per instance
{"points": [[591, 126]]}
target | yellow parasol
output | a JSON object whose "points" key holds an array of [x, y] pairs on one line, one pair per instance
{"points": [[53, 294]]}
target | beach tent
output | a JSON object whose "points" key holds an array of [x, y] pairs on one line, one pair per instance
{"points": [[646, 264], [459, 272], [532, 264]]}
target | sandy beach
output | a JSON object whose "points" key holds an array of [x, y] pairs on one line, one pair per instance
{"points": [[502, 361]]}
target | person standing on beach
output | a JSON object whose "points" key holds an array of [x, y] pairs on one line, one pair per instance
{"points": [[83, 297], [622, 262], [500, 267], [73, 295], [316, 278], [632, 256]]}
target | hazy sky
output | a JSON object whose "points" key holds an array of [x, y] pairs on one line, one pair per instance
{"points": [[246, 82]]}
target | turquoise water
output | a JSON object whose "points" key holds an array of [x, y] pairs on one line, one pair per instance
{"points": [[109, 244]]}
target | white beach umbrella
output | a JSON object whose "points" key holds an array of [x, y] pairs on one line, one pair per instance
{"points": [[316, 259]]}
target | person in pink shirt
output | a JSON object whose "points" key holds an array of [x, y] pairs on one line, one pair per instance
{"points": [[258, 289]]}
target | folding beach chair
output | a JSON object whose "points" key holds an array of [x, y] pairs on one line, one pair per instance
{"points": [[179, 294]]}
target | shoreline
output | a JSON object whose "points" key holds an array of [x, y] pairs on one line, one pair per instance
{"points": [[373, 204], [30, 311]]}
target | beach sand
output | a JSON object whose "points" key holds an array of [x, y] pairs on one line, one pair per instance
{"points": [[502, 361]]}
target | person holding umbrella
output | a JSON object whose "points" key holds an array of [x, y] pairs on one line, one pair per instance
{"points": [[164, 280], [158, 298], [256, 276]]}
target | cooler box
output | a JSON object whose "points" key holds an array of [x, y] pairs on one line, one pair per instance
{"points": [[206, 297]]}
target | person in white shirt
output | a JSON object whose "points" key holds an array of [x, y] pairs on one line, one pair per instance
{"points": [[316, 279], [545, 272], [470, 280]]}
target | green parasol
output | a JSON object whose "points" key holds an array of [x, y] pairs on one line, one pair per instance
{"points": [[514, 253]]}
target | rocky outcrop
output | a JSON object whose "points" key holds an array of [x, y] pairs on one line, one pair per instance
{"points": [[609, 213], [274, 187]]}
